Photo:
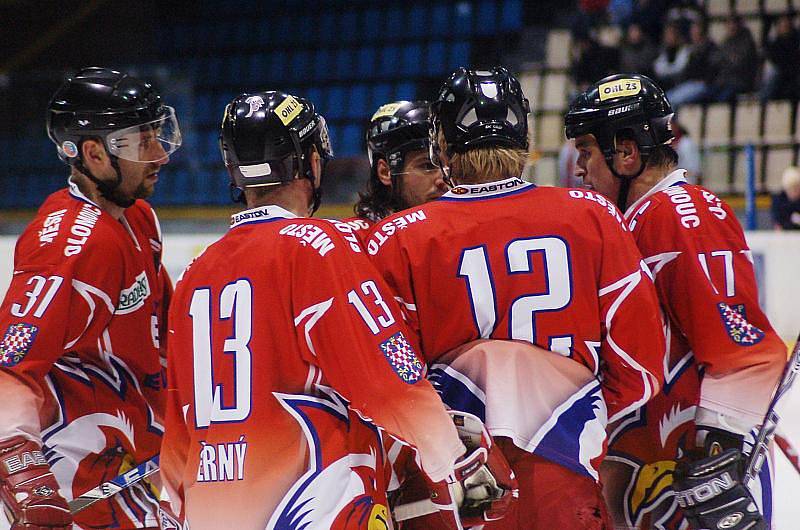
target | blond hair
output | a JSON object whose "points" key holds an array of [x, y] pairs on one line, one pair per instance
{"points": [[791, 177], [484, 164]]}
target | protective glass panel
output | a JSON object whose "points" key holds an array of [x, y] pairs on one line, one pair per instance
{"points": [[149, 142]]}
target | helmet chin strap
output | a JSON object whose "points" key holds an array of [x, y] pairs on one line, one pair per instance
{"points": [[108, 191]]}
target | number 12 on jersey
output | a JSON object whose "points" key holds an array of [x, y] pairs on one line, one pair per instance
{"points": [[480, 280]]}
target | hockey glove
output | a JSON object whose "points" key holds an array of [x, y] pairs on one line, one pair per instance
{"points": [[28, 489], [486, 483], [711, 494]]}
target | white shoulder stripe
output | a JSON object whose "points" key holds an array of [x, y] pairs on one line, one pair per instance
{"points": [[315, 312], [627, 284]]}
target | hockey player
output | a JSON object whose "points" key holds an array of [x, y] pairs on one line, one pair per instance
{"points": [[499, 258], [274, 330], [724, 357], [80, 360], [401, 173]]}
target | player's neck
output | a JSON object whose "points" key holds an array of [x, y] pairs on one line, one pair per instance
{"points": [[645, 182], [90, 191]]}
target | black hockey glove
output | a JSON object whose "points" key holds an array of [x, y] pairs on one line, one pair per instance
{"points": [[711, 494]]}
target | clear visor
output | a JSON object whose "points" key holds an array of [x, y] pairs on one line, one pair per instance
{"points": [[149, 142]]}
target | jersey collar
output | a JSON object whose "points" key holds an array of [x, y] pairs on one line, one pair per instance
{"points": [[485, 190], [76, 193], [261, 214], [676, 178]]}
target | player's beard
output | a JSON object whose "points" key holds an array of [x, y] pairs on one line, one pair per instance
{"points": [[143, 191]]}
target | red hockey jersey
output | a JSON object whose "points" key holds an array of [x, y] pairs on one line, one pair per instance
{"points": [[719, 339], [80, 359], [359, 225], [550, 266], [272, 329]]}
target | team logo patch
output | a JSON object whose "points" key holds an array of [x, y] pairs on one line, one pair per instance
{"points": [[402, 357], [619, 88], [739, 329], [16, 343], [255, 102], [70, 149]]}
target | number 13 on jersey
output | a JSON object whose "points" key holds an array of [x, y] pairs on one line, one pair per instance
{"points": [[480, 280]]}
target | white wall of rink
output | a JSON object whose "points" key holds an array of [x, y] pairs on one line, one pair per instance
{"points": [[777, 257]]}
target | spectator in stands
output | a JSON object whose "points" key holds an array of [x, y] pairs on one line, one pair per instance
{"points": [[671, 63], [637, 51], [786, 204], [649, 14], [699, 72], [783, 53], [738, 65], [590, 59], [688, 152]]}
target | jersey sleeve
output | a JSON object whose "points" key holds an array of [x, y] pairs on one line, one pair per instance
{"points": [[706, 283], [349, 325], [633, 346], [51, 306], [392, 262]]}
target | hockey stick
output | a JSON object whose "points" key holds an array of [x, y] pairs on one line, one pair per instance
{"points": [[114, 486], [414, 509], [788, 450], [770, 423]]}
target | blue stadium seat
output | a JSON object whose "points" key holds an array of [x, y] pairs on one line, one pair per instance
{"points": [[359, 102], [511, 15], [436, 59], [486, 17], [394, 22], [417, 21], [257, 68], [315, 96], [381, 94], [405, 90], [390, 58], [365, 62], [300, 66], [351, 140], [343, 68], [326, 31], [411, 59], [277, 66], [462, 19], [459, 55], [348, 27], [440, 20], [336, 103], [323, 62], [202, 110], [373, 28]]}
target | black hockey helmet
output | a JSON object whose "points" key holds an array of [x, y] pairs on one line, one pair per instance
{"points": [[266, 139], [621, 102], [114, 107], [395, 129], [478, 108]]}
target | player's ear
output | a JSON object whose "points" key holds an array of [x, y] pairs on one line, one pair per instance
{"points": [[384, 175], [316, 167], [93, 154], [629, 155]]}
